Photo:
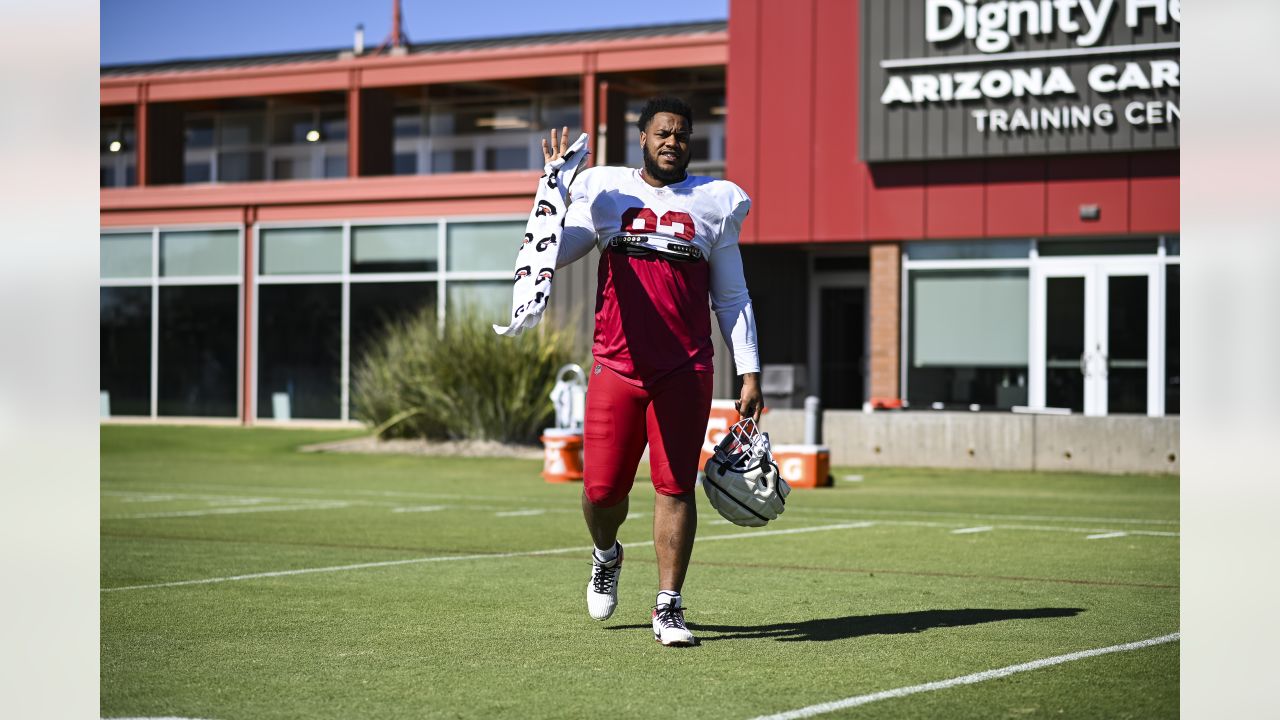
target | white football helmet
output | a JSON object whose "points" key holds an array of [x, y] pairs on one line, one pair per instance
{"points": [[742, 480]]}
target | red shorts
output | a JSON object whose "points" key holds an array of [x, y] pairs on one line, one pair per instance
{"points": [[670, 415]]}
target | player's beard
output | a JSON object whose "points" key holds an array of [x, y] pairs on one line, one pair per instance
{"points": [[655, 171]]}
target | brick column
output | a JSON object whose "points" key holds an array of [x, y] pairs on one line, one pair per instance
{"points": [[885, 299]]}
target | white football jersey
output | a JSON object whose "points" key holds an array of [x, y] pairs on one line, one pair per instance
{"points": [[614, 201], [697, 219]]}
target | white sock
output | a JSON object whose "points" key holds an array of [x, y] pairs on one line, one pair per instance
{"points": [[669, 597], [607, 556]]}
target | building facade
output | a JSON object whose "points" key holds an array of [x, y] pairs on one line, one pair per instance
{"points": [[262, 217]]}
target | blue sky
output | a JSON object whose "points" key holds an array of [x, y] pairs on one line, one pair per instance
{"points": [[153, 30]]}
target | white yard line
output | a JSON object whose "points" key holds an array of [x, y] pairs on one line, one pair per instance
{"points": [[450, 558], [231, 511], [520, 513], [368, 493], [855, 701], [133, 497], [788, 531], [1032, 528], [1001, 516], [417, 509], [1106, 536], [970, 530]]}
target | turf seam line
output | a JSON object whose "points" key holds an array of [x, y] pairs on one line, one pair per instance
{"points": [[544, 499], [855, 701], [448, 558], [336, 505]]}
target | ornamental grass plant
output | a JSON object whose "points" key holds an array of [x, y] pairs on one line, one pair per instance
{"points": [[463, 383]]}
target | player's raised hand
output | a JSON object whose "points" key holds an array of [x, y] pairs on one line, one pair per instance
{"points": [[558, 147]]}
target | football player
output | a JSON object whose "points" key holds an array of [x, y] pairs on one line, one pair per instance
{"points": [[669, 242]]}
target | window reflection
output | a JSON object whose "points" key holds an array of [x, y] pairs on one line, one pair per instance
{"points": [[199, 338], [125, 348], [266, 140], [299, 350], [460, 132], [376, 306]]}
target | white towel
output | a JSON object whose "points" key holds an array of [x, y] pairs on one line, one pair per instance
{"points": [[536, 261]]}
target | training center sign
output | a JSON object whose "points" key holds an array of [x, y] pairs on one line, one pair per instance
{"points": [[968, 78]]}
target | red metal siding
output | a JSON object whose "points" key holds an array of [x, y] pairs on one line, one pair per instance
{"points": [[786, 130], [1015, 197], [895, 202], [1076, 181], [1154, 193], [743, 119], [954, 199], [839, 184]]}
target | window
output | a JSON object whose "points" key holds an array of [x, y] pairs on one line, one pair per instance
{"points": [[269, 140], [394, 248], [299, 351], [125, 350], [375, 306], [118, 148], [172, 295], [200, 253], [482, 299], [481, 127], [983, 250], [301, 251], [1077, 324], [484, 246], [968, 338], [199, 358], [125, 255]]}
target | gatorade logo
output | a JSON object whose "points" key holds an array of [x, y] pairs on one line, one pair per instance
{"points": [[792, 468], [717, 428]]}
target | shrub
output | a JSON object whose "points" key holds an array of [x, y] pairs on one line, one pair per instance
{"points": [[467, 383]]}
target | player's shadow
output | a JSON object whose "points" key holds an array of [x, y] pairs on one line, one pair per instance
{"points": [[851, 626]]}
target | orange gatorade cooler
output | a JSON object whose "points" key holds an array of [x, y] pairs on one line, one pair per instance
{"points": [[562, 455], [804, 466]]}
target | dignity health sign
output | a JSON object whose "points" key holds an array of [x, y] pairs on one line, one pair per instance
{"points": [[966, 78]]}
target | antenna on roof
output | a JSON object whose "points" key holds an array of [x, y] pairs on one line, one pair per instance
{"points": [[398, 40]]}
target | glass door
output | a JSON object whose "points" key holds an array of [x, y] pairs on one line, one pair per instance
{"points": [[1125, 354], [839, 363], [1068, 338], [1096, 343], [843, 361]]}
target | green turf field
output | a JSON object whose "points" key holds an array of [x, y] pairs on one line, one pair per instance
{"points": [[243, 579]]}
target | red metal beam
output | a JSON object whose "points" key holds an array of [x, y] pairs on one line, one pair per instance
{"points": [[353, 125], [246, 370], [387, 71], [141, 157], [589, 124], [507, 183]]}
